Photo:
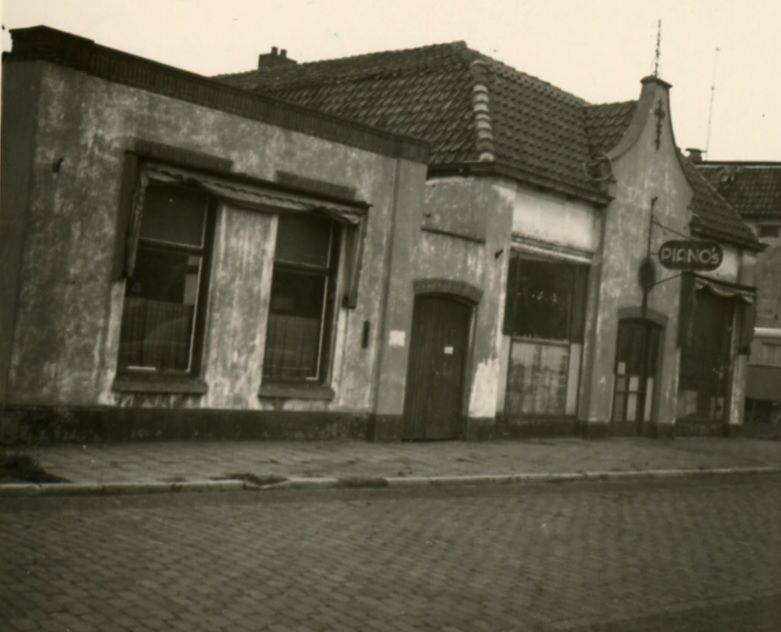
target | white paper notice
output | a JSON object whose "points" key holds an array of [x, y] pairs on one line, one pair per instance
{"points": [[449, 350], [397, 338]]}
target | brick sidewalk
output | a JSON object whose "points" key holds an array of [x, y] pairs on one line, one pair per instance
{"points": [[184, 461]]}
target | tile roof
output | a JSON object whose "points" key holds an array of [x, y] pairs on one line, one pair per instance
{"points": [[473, 110], [754, 189], [606, 124], [714, 217], [538, 130]]}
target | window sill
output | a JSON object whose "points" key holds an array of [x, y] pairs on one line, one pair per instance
{"points": [[128, 383], [296, 391]]}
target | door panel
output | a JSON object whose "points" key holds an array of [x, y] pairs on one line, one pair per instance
{"points": [[435, 374], [636, 358]]}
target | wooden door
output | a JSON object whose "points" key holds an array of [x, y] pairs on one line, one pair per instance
{"points": [[635, 371], [435, 376]]}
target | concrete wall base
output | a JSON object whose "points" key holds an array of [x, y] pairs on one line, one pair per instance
{"points": [[32, 425], [508, 427]]}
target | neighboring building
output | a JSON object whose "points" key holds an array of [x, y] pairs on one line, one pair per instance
{"points": [[180, 258], [235, 260], [754, 190]]}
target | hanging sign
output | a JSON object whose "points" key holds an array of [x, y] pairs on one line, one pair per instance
{"points": [[691, 255]]}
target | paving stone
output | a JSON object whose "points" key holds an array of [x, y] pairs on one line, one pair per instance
{"points": [[585, 556]]}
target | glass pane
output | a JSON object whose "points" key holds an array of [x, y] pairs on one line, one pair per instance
{"points": [[294, 325], [537, 379], [304, 239], [157, 321], [649, 392], [174, 214], [621, 384], [539, 298], [631, 407]]}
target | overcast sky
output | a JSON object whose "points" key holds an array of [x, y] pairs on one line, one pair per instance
{"points": [[596, 49]]}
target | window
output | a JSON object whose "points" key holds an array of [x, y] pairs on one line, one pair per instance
{"points": [[705, 358], [302, 299], [165, 293], [769, 231], [544, 316], [770, 353], [545, 299]]}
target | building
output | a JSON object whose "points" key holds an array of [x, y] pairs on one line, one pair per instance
{"points": [[754, 190], [179, 256], [421, 244]]}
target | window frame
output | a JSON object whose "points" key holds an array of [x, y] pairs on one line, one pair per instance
{"points": [[577, 300], [198, 333], [329, 311]]}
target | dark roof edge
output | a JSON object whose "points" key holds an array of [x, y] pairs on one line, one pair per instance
{"points": [[42, 43], [738, 163], [754, 245], [719, 236], [499, 169]]}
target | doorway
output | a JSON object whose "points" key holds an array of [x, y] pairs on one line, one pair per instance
{"points": [[435, 376], [637, 352]]}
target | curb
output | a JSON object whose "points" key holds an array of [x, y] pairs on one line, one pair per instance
{"points": [[232, 485], [148, 487]]}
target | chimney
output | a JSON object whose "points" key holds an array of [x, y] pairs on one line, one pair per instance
{"points": [[695, 155], [275, 59]]}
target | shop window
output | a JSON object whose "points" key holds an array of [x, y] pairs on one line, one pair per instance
{"points": [[302, 299], [705, 358], [769, 231], [166, 289], [544, 317], [545, 299]]}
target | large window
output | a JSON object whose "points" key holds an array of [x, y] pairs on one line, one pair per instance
{"points": [[302, 299], [705, 358], [165, 293], [544, 319]]}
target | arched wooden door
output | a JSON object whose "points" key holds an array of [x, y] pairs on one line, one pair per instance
{"points": [[435, 375]]}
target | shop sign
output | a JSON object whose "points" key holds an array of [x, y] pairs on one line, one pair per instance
{"points": [[691, 255]]}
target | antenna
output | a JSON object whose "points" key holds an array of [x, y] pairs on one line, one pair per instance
{"points": [[712, 94], [658, 52]]}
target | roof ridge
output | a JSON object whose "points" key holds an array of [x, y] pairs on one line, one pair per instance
{"points": [[480, 73]]}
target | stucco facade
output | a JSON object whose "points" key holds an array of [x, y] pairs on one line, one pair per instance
{"points": [[456, 303]]}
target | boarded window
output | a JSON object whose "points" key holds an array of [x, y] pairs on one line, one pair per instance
{"points": [[164, 293], [301, 299]]}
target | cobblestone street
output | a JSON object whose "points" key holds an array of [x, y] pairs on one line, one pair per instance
{"points": [[683, 554]]}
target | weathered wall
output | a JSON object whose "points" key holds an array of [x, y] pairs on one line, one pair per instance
{"points": [[557, 221], [66, 350], [462, 235], [642, 173], [18, 137]]}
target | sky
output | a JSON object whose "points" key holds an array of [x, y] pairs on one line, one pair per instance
{"points": [[596, 49]]}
